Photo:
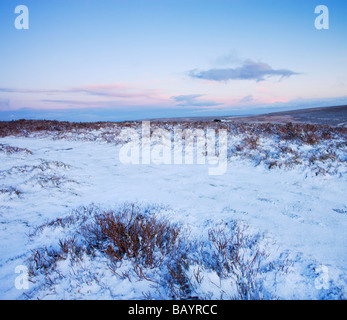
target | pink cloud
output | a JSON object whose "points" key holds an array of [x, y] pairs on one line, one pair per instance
{"points": [[87, 96]]}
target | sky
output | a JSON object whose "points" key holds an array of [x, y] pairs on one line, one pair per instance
{"points": [[114, 60]]}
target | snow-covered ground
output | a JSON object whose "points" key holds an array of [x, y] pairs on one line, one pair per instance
{"points": [[298, 216]]}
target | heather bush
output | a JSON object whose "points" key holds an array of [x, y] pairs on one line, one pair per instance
{"points": [[156, 251]]}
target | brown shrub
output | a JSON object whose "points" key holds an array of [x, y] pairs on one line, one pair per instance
{"points": [[251, 142], [128, 233]]}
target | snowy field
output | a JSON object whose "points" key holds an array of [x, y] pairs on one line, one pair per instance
{"points": [[287, 196]]}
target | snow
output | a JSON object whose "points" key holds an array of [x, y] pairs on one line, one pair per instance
{"points": [[297, 213]]}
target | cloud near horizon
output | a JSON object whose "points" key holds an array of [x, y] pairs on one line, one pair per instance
{"points": [[247, 99], [249, 70], [191, 100], [105, 90], [93, 95]]}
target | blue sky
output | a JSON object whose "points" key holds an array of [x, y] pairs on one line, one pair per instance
{"points": [[87, 60]]}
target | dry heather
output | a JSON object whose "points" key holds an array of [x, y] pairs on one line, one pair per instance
{"points": [[11, 150], [156, 251], [321, 148], [305, 133]]}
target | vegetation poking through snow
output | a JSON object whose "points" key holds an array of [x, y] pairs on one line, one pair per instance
{"points": [[321, 148], [10, 149], [142, 247]]}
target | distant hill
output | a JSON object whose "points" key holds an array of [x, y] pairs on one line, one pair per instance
{"points": [[334, 116]]}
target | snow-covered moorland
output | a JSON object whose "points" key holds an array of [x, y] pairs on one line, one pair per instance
{"points": [[88, 226]]}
